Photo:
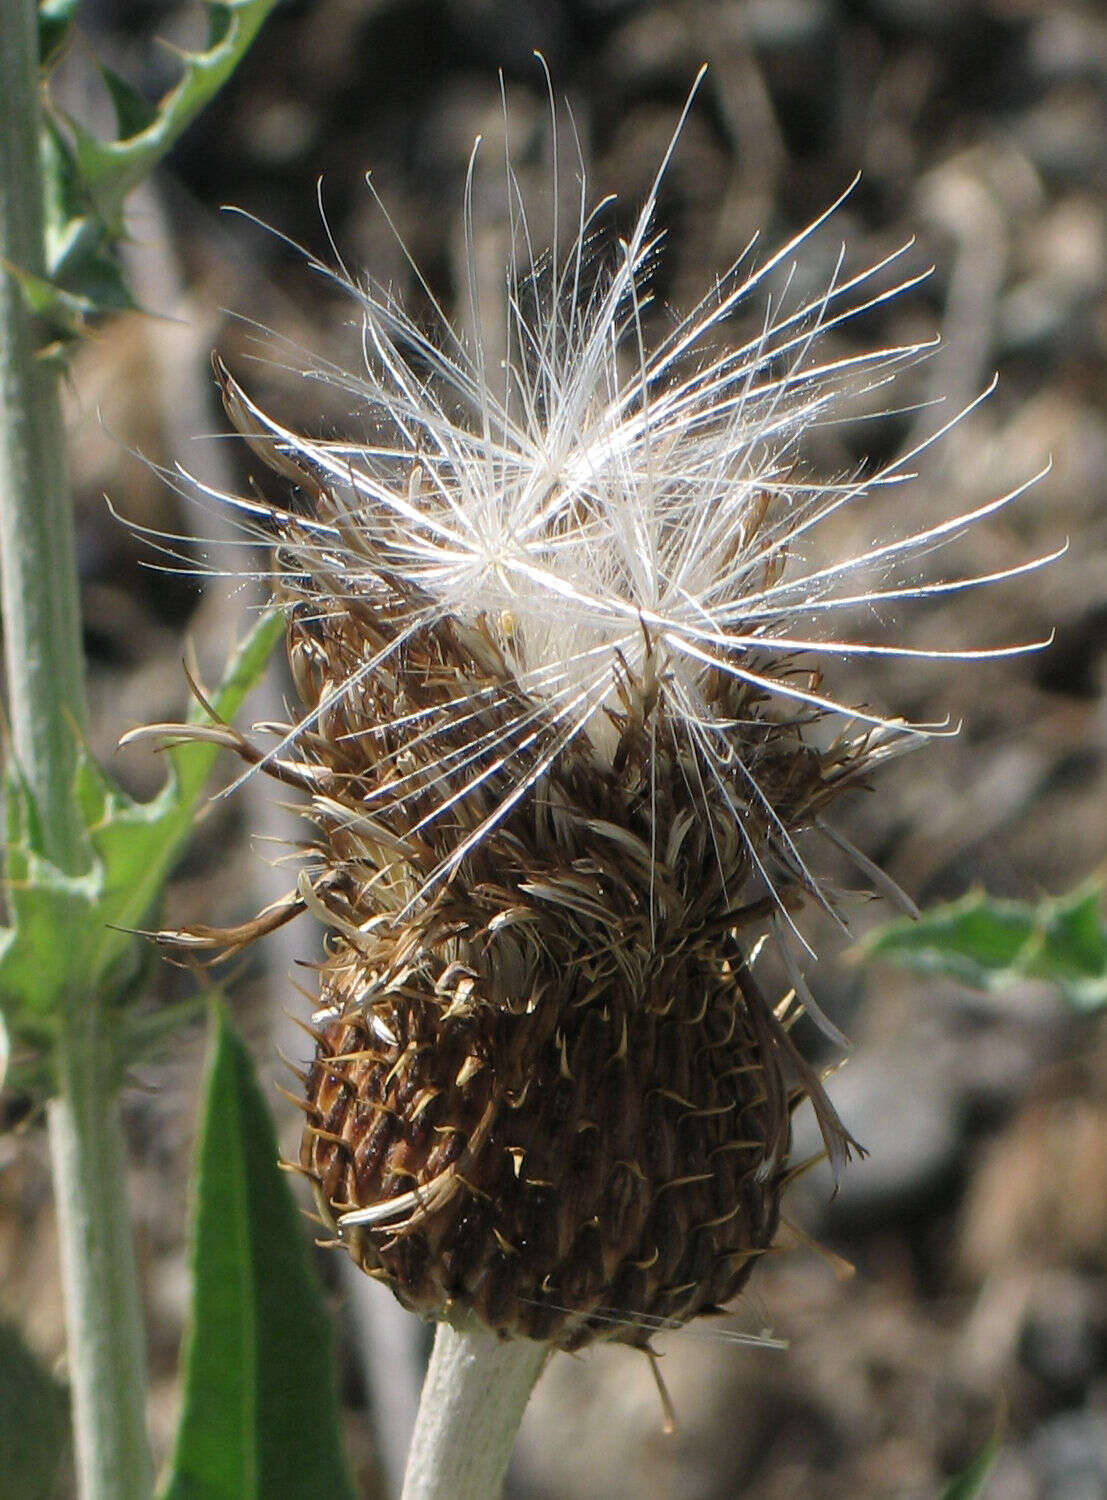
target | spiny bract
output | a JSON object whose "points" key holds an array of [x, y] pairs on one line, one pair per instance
{"points": [[560, 736]]}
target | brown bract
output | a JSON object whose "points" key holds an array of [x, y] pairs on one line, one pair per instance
{"points": [[547, 1089]]}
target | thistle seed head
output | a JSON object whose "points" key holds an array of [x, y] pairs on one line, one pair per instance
{"points": [[555, 622]]}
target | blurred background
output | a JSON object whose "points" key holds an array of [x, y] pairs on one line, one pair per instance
{"points": [[977, 1227]]}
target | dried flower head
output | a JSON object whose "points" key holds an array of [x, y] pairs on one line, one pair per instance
{"points": [[555, 621]]}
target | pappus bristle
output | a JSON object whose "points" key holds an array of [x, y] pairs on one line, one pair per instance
{"points": [[557, 619], [620, 526]]}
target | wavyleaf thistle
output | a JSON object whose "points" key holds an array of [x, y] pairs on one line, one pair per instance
{"points": [[555, 622]]}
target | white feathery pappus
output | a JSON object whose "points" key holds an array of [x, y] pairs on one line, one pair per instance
{"points": [[626, 521], [557, 618]]}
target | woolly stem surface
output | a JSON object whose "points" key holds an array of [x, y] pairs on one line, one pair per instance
{"points": [[99, 1277], [476, 1391], [42, 637], [46, 715]]}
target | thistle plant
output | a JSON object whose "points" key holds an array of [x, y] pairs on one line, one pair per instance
{"points": [[557, 620]]}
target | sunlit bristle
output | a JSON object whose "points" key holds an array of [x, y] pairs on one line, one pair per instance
{"points": [[621, 524], [557, 619]]}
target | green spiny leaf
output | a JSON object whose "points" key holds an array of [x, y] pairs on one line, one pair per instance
{"points": [[72, 936], [133, 113], [219, 21], [993, 945], [259, 1415], [137, 843], [43, 902], [83, 277], [66, 314], [65, 197], [86, 181], [41, 950], [54, 20], [111, 169]]}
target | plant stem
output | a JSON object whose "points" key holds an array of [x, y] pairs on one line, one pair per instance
{"points": [[46, 713], [99, 1278], [476, 1391], [42, 636]]}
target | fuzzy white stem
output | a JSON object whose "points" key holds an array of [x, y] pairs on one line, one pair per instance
{"points": [[476, 1391], [42, 637], [99, 1277], [46, 714]]}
